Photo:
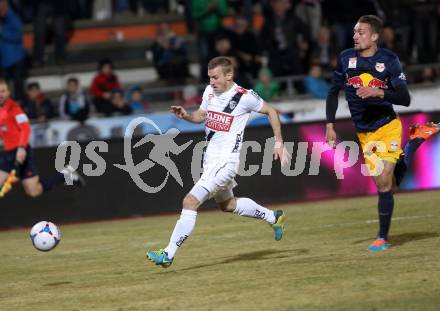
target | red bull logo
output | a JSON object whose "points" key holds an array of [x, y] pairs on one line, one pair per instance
{"points": [[366, 80]]}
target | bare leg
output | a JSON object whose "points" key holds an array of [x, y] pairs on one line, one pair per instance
{"points": [[32, 186]]}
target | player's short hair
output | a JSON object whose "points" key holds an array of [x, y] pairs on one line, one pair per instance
{"points": [[3, 81], [374, 21], [225, 62], [33, 85], [73, 80], [105, 61]]}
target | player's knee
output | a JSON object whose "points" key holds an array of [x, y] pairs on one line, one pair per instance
{"points": [[33, 192], [228, 205], [384, 184], [190, 202]]}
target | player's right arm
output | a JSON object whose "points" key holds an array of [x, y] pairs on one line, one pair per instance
{"points": [[197, 116], [25, 131], [332, 104]]}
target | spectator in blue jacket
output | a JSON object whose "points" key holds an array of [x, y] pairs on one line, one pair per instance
{"points": [[74, 104], [12, 53], [315, 84]]}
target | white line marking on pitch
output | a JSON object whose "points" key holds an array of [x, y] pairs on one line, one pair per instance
{"points": [[347, 224]]}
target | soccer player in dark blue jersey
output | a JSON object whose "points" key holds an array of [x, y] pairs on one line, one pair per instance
{"points": [[373, 81]]}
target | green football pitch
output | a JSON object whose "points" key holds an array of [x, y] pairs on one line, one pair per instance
{"points": [[233, 263]]}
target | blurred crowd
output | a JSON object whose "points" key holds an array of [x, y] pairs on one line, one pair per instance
{"points": [[298, 37]]}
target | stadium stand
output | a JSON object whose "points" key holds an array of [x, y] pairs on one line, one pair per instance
{"points": [[127, 38]]}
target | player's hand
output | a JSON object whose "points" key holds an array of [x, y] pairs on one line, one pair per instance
{"points": [[21, 155], [179, 111], [330, 135], [367, 92], [280, 152]]}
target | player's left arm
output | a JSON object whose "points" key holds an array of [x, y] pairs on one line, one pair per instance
{"points": [[274, 120], [399, 95], [25, 132], [279, 151]]}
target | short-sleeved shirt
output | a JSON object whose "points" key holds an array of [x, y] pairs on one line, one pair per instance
{"points": [[226, 129], [382, 70]]}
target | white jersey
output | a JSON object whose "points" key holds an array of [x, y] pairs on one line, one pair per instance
{"points": [[225, 121]]}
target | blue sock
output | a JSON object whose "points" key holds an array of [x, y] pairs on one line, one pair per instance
{"points": [[410, 148], [400, 169], [386, 206], [52, 181], [406, 158]]}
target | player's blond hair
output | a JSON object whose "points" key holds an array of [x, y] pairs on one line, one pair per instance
{"points": [[222, 61]]}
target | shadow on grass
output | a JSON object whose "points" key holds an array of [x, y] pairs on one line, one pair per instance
{"points": [[400, 239], [251, 256], [57, 283], [403, 238]]}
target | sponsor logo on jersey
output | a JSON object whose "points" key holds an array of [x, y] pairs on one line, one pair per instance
{"points": [[352, 62], [394, 145], [380, 67], [232, 104], [241, 90], [218, 121], [366, 80], [402, 76]]}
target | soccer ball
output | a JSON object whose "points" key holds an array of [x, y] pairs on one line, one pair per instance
{"points": [[45, 236]]}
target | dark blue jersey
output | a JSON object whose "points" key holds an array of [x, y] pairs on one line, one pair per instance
{"points": [[382, 70]]}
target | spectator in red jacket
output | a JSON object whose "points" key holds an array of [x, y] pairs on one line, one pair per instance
{"points": [[102, 86]]}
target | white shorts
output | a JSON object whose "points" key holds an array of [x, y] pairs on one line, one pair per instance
{"points": [[218, 180]]}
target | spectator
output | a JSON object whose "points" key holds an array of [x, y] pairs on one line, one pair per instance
{"points": [[207, 15], [309, 11], [267, 88], [389, 42], [83, 9], [12, 54], [223, 47], [246, 46], [36, 105], [285, 38], [342, 15], [190, 97], [324, 49], [243, 8], [153, 6], [102, 86], [315, 84], [74, 104], [102, 9], [425, 28], [398, 16], [119, 104], [119, 7], [170, 56], [135, 100], [57, 12]]}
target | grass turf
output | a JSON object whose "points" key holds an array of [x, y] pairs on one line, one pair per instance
{"points": [[233, 263]]}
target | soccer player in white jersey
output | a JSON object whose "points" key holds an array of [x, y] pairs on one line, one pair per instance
{"points": [[225, 109]]}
